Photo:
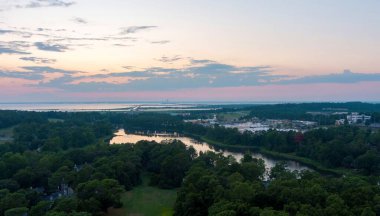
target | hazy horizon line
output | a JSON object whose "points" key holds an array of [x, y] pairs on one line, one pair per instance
{"points": [[188, 102]]}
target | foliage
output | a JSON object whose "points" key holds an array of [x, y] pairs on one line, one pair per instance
{"points": [[69, 163], [220, 190]]}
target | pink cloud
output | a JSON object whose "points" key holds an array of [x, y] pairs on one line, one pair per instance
{"points": [[111, 80], [20, 87], [17, 89], [363, 91]]}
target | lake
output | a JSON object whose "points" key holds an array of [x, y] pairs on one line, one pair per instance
{"points": [[122, 137]]}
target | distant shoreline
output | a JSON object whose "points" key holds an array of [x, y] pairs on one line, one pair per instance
{"points": [[183, 102]]}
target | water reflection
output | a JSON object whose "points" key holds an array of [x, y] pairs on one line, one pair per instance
{"points": [[122, 137]]}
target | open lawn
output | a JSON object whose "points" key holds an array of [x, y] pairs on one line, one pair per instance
{"points": [[55, 120], [231, 116], [6, 135], [145, 200]]}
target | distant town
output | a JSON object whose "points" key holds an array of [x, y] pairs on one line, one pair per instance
{"points": [[256, 124]]}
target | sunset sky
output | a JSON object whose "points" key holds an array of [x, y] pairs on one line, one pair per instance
{"points": [[198, 50]]}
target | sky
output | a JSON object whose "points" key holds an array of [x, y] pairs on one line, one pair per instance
{"points": [[198, 50]]}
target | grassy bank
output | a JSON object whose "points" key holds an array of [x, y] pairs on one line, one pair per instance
{"points": [[277, 155], [305, 161], [145, 200], [226, 146]]}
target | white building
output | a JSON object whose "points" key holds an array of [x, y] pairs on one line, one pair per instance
{"points": [[355, 117]]}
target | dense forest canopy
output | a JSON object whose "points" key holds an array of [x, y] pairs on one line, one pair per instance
{"points": [[60, 163], [319, 112]]}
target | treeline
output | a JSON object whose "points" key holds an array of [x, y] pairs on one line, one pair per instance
{"points": [[335, 147], [59, 164], [300, 111], [62, 164], [216, 186], [61, 135], [55, 131], [86, 181], [10, 118], [152, 122]]}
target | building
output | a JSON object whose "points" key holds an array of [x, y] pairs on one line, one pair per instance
{"points": [[355, 117], [340, 122]]}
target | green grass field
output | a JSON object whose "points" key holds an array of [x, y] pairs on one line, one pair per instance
{"points": [[55, 120], [230, 116], [6, 134], [145, 200]]}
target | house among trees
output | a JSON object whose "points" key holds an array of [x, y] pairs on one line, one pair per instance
{"points": [[64, 190]]}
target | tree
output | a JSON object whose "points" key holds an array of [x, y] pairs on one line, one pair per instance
{"points": [[66, 205], [40, 209], [368, 212], [63, 175], [107, 192], [53, 144], [16, 211], [280, 171], [336, 207], [254, 170], [90, 205], [242, 192], [271, 212], [369, 162], [13, 200], [309, 210], [173, 170], [222, 208], [25, 177], [199, 190], [57, 213], [247, 157]]}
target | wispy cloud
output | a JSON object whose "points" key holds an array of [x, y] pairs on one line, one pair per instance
{"points": [[169, 60], [158, 78], [6, 31], [43, 29], [206, 76], [37, 73], [55, 37], [201, 74], [14, 47], [345, 77], [160, 42], [21, 75], [39, 69], [135, 29], [18, 45], [46, 3], [121, 45], [79, 20], [128, 67], [7, 50], [50, 47], [201, 61], [23, 34], [39, 60]]}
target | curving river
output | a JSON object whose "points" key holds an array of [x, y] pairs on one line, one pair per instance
{"points": [[121, 137]]}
